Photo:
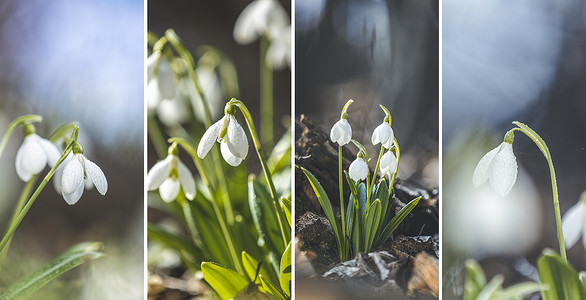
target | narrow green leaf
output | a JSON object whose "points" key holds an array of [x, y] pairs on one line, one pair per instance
{"points": [[352, 185], [492, 289], [280, 157], [520, 290], [326, 205], [475, 280], [272, 290], [285, 278], [250, 267], [583, 278], [362, 198], [286, 204], [70, 259], [350, 218], [227, 283], [396, 220], [560, 277], [190, 254], [372, 220], [264, 215]]}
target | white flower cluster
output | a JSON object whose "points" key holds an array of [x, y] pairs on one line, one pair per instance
{"points": [[341, 133], [74, 173], [269, 19]]}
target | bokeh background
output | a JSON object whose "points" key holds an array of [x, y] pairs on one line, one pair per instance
{"points": [[77, 61], [504, 61], [374, 52]]}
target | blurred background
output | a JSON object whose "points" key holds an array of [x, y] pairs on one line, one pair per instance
{"points": [[374, 52], [502, 62], [77, 61]]}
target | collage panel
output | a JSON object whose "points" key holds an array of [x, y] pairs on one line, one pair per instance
{"points": [[219, 149], [71, 155], [514, 140], [366, 150]]}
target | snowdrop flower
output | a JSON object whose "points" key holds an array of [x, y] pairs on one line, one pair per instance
{"points": [[210, 86], [160, 76], [76, 171], [358, 169], [169, 175], [388, 163], [383, 134], [341, 132], [279, 52], [499, 166], [231, 136], [260, 17], [574, 223], [34, 154]]}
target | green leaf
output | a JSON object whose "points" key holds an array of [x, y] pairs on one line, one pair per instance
{"points": [[362, 198], [326, 205], [475, 280], [285, 278], [251, 266], [561, 279], [268, 286], [189, 253], [286, 205], [280, 157], [371, 222], [382, 193], [396, 220], [520, 290], [227, 283], [352, 185], [492, 289], [264, 215], [583, 278], [350, 217], [70, 259]]}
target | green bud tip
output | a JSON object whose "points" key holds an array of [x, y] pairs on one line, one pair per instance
{"points": [[509, 136], [173, 149], [77, 148], [344, 113], [387, 113], [28, 128]]}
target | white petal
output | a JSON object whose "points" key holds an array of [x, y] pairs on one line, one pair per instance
{"points": [[152, 61], [187, 181], [228, 156], [153, 94], [358, 169], [482, 168], [573, 224], [341, 132], [209, 138], [30, 158], [50, 150], [390, 141], [72, 198], [72, 176], [236, 139], [59, 173], [503, 170], [172, 111], [169, 189], [96, 175], [381, 133], [158, 173], [388, 162], [166, 80]]}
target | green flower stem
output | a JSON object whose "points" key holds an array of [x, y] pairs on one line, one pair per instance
{"points": [[398, 152], [556, 203], [280, 214], [199, 166], [18, 121], [344, 249], [177, 44], [156, 136], [30, 202], [24, 195], [266, 96], [371, 185]]}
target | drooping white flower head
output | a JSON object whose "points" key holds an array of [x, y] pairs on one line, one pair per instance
{"points": [[160, 79], [211, 88], [169, 175], [279, 52], [260, 17], [574, 223], [341, 132], [358, 169], [499, 166], [231, 136], [34, 154], [388, 163], [383, 134], [75, 173]]}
